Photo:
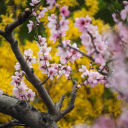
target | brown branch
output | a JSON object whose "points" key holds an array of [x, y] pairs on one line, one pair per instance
{"points": [[2, 33], [21, 19], [33, 79], [44, 81], [25, 113], [72, 100], [103, 73], [59, 104], [12, 123]]}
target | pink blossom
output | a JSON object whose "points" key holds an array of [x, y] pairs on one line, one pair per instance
{"points": [[1, 92], [44, 49], [125, 3], [51, 2], [61, 72], [123, 13], [121, 97], [34, 2], [79, 86], [15, 92], [33, 12], [45, 59], [65, 60], [54, 36], [122, 121], [30, 26], [83, 69], [107, 85], [88, 20], [64, 24], [123, 33], [80, 23], [100, 45], [31, 60], [68, 77], [100, 60], [15, 80], [30, 95], [64, 11], [43, 66], [20, 74], [64, 50], [41, 14], [67, 69], [104, 122], [52, 17], [75, 55], [28, 56], [52, 72], [93, 30], [17, 66], [86, 39], [93, 78], [90, 49], [28, 52], [114, 17], [52, 24], [41, 41], [22, 87], [19, 91]]}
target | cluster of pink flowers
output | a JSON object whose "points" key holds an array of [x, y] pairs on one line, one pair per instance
{"points": [[122, 97], [58, 27], [51, 3], [44, 65], [119, 45], [67, 54], [38, 16], [34, 2], [122, 28], [21, 90], [91, 77], [28, 54], [95, 44]]}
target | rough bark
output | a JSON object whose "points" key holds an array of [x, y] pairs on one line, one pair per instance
{"points": [[25, 113]]}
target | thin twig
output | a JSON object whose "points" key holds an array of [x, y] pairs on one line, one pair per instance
{"points": [[72, 100], [59, 104], [39, 5], [44, 81]]}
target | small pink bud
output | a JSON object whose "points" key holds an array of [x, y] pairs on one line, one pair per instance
{"points": [[56, 5], [79, 86]]}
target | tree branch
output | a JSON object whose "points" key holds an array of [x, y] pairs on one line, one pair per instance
{"points": [[59, 103], [44, 81], [72, 100], [33, 79], [11, 123], [2, 33], [25, 113]]}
